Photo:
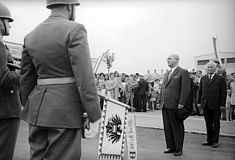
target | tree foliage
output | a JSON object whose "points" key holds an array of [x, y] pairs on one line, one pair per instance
{"points": [[108, 59]]}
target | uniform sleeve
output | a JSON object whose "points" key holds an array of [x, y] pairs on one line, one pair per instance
{"points": [[82, 69], [7, 78], [28, 76], [185, 87], [3, 58]]}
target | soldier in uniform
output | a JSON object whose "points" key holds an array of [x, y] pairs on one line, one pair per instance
{"points": [[57, 85], [9, 95]]}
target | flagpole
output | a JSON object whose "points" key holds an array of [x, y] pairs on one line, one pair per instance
{"points": [[215, 50], [97, 65]]}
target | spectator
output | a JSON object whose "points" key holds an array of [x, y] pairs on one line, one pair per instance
{"points": [[142, 92], [199, 110], [149, 103], [228, 105], [155, 74], [148, 75], [112, 87], [101, 88], [232, 107], [135, 91], [156, 92], [129, 92], [194, 88]]}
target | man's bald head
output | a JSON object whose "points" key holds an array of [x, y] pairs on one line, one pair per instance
{"points": [[173, 60], [211, 67]]}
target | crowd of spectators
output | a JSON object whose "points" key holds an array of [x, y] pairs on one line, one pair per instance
{"points": [[128, 88]]}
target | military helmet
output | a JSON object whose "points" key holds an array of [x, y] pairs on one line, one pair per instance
{"points": [[52, 2], [5, 12]]}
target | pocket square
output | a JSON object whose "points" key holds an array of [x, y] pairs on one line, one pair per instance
{"points": [[176, 77]]}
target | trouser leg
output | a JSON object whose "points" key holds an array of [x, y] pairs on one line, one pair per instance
{"points": [[167, 129], [139, 106], [209, 125], [8, 135], [177, 130], [216, 127], [144, 103], [54, 143]]}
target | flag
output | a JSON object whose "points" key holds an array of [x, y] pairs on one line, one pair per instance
{"points": [[113, 130], [131, 138]]}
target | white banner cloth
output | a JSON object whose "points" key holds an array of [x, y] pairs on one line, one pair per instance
{"points": [[113, 130]]}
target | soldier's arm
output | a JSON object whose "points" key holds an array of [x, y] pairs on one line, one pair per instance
{"points": [[28, 76], [3, 58], [82, 69], [9, 78]]}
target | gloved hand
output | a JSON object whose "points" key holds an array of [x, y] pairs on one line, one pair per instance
{"points": [[93, 130], [180, 106]]}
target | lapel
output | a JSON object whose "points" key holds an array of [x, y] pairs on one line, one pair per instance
{"points": [[207, 80], [165, 78], [213, 79], [172, 75]]}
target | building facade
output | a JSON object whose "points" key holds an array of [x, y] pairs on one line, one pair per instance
{"points": [[17, 48], [227, 59]]}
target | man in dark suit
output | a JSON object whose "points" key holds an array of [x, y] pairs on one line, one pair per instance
{"points": [[212, 98], [142, 89], [174, 94], [9, 95], [57, 85]]}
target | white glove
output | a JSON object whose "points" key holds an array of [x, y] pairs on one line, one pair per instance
{"points": [[93, 130], [180, 106]]}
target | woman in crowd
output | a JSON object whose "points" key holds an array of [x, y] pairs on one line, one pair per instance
{"points": [[112, 87], [129, 92], [101, 88], [232, 106]]}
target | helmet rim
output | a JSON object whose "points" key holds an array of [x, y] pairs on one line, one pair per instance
{"points": [[53, 2], [5, 13]]}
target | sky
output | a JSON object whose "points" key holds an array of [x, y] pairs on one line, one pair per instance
{"points": [[141, 33]]}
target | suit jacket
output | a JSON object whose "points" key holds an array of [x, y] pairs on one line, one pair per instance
{"points": [[58, 48], [142, 87], [212, 92], [175, 89], [9, 81]]}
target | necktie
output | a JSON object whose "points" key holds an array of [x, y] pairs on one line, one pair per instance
{"points": [[210, 77]]}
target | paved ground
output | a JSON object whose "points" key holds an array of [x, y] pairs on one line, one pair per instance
{"points": [[194, 124], [151, 142]]}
